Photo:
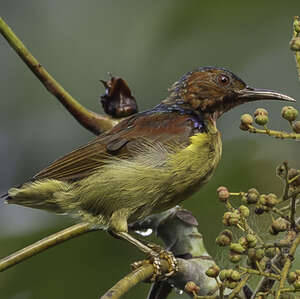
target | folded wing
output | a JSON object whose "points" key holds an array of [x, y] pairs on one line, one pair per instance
{"points": [[120, 142]]}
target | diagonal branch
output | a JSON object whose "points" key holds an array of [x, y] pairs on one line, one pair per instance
{"points": [[117, 96], [90, 120], [43, 244], [129, 281]]}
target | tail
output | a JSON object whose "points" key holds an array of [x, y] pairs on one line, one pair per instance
{"points": [[42, 194], [5, 196]]}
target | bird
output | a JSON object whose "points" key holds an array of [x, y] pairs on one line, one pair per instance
{"points": [[147, 163]]}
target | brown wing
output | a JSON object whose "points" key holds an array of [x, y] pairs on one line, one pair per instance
{"points": [[162, 127]]}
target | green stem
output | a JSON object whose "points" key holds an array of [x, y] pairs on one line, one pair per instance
{"points": [[273, 133], [239, 287], [43, 244], [90, 120], [287, 265], [259, 273]]}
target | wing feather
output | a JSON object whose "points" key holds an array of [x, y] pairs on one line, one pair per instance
{"points": [[119, 142]]}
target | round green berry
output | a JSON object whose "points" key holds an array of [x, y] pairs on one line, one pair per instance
{"points": [[245, 212], [237, 248], [223, 193], [246, 119], [261, 120], [261, 111], [289, 113], [292, 277], [213, 271], [234, 257]]}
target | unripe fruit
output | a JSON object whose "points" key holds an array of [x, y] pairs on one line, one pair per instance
{"points": [[230, 218], [243, 241], [237, 248], [260, 253], [252, 196], [252, 241], [255, 254], [234, 257], [296, 126], [213, 271], [191, 287], [292, 277], [235, 275], [246, 119], [262, 199], [271, 200], [234, 220], [261, 111], [278, 225], [245, 212], [289, 113], [232, 284], [261, 116], [295, 44], [261, 120], [223, 275], [224, 238], [296, 284], [296, 24], [223, 193]]}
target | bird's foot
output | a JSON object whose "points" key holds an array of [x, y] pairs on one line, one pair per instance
{"points": [[156, 254], [168, 256]]}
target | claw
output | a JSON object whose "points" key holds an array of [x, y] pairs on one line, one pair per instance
{"points": [[169, 257], [157, 253]]}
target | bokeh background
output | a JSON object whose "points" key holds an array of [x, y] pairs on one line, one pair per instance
{"points": [[150, 44]]}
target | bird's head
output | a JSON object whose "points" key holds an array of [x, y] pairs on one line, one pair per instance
{"points": [[216, 90]]}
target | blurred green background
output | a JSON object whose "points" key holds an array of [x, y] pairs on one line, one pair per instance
{"points": [[150, 44]]}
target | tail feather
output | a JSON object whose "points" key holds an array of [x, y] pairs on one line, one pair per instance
{"points": [[39, 195], [5, 196]]}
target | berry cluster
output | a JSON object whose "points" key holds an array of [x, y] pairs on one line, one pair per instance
{"points": [[261, 118], [249, 253]]}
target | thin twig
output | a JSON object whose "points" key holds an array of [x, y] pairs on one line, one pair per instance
{"points": [[43, 244], [239, 287], [293, 211], [90, 120], [285, 194], [287, 266], [243, 224], [259, 273], [273, 133]]}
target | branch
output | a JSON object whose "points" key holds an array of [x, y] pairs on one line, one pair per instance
{"points": [[273, 133], [90, 120], [126, 283], [287, 265], [43, 244]]}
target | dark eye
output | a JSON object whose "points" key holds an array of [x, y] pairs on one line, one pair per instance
{"points": [[223, 80]]}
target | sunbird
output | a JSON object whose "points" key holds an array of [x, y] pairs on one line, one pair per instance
{"points": [[147, 163]]}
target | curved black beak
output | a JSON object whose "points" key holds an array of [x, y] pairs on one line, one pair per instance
{"points": [[252, 94]]}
